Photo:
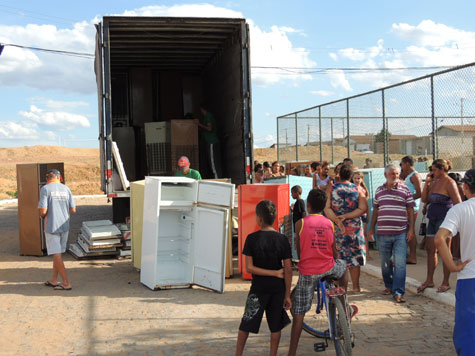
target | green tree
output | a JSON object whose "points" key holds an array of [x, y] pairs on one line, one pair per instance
{"points": [[379, 137]]}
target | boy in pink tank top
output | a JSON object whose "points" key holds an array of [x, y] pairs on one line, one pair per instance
{"points": [[315, 242]]}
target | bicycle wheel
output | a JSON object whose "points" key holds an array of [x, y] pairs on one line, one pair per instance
{"points": [[341, 328], [314, 324]]}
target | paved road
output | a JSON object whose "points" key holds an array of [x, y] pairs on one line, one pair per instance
{"points": [[109, 312]]}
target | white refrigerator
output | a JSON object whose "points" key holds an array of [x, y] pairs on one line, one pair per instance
{"points": [[185, 226]]}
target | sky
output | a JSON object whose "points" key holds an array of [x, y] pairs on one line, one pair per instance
{"points": [[51, 99]]}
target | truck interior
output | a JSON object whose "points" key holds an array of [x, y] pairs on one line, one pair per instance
{"points": [[162, 69]]}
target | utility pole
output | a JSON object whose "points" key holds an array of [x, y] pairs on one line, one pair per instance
{"points": [[461, 119], [286, 140], [343, 130], [308, 134]]}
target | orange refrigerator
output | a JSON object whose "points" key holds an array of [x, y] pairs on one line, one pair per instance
{"points": [[249, 195]]}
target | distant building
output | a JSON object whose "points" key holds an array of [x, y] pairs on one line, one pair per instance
{"points": [[456, 139], [358, 142], [281, 145], [456, 130]]}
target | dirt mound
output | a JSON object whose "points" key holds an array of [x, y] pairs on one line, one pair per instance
{"points": [[81, 167]]}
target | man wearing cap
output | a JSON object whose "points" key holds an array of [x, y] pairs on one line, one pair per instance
{"points": [[185, 170], [461, 218], [55, 205]]}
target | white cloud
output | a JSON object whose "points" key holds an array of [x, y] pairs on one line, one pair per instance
{"points": [[430, 44], [58, 104], [352, 53], [274, 49], [58, 120], [361, 55], [192, 10], [11, 130], [338, 80], [431, 34], [322, 92], [287, 29], [50, 136], [333, 56], [264, 141], [24, 67]]}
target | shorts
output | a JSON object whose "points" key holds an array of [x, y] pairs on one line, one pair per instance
{"points": [[305, 289], [433, 226], [464, 330], [56, 243], [272, 304]]}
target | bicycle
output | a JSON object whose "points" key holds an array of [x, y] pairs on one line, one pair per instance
{"points": [[335, 325]]}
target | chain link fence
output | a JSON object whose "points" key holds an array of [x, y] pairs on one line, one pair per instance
{"points": [[428, 118]]}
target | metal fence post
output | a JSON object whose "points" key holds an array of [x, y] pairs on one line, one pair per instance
{"points": [[278, 146], [348, 127], [320, 131], [435, 143], [331, 135], [296, 139], [385, 131]]}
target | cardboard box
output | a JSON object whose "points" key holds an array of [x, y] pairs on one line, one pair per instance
{"points": [[184, 142]]}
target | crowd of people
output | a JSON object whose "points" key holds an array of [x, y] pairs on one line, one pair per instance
{"points": [[332, 232]]}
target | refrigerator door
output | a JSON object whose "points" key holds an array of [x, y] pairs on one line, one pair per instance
{"points": [[211, 226], [151, 212], [216, 193]]}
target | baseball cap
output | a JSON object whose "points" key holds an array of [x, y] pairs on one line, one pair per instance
{"points": [[469, 177], [183, 162], [53, 171]]}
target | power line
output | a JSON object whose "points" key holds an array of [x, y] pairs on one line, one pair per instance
{"points": [[291, 70], [53, 51], [309, 70]]}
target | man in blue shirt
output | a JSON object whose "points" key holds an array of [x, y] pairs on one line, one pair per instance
{"points": [[55, 205]]}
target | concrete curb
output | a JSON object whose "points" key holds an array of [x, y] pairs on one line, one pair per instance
{"points": [[11, 201], [412, 285], [8, 201]]}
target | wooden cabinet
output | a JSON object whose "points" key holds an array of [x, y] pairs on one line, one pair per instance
{"points": [[30, 179]]}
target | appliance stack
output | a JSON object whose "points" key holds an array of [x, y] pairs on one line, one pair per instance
{"points": [[97, 239]]}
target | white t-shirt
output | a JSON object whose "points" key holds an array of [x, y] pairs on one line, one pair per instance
{"points": [[461, 218]]}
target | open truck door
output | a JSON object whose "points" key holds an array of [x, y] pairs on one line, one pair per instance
{"points": [[100, 103]]}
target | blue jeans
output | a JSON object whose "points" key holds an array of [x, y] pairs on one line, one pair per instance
{"points": [[394, 274]]}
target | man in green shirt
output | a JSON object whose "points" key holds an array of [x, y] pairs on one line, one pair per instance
{"points": [[185, 170], [210, 135]]}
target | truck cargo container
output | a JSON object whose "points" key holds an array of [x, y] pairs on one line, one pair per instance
{"points": [[160, 69]]}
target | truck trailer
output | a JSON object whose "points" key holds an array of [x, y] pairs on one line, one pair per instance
{"points": [[159, 70]]}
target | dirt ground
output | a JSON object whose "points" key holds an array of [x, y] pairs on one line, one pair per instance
{"points": [[109, 312]]}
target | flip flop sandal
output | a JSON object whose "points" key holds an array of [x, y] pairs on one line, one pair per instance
{"points": [[422, 288], [399, 299], [49, 284], [61, 287], [443, 289]]}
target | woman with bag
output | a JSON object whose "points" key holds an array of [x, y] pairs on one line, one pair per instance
{"points": [[441, 192]]}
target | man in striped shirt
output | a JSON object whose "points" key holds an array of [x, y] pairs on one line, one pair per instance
{"points": [[393, 210]]}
